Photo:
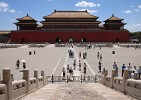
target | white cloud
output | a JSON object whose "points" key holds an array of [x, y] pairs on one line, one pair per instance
{"points": [[133, 27], [132, 6], [128, 11], [12, 11], [90, 11], [4, 7], [98, 5], [85, 4], [136, 10], [139, 6], [5, 10]]}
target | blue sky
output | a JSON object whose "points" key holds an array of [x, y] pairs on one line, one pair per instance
{"points": [[130, 10]]}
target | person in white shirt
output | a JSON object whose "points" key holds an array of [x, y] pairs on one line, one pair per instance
{"points": [[130, 69]]}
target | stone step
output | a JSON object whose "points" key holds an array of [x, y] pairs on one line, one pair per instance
{"points": [[76, 91]]}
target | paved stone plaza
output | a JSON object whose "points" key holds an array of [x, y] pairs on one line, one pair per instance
{"points": [[52, 59]]}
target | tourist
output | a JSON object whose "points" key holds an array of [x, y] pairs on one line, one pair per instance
{"points": [[79, 54], [135, 69], [98, 55], [68, 68], [24, 64], [139, 71], [30, 53], [79, 64], [123, 67], [116, 68], [71, 73], [99, 65], [64, 73], [130, 69], [74, 64], [85, 66], [34, 52], [18, 64]]}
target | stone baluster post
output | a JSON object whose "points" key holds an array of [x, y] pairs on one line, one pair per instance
{"points": [[136, 75], [26, 77], [114, 74], [42, 74], [125, 77], [8, 82], [37, 78], [105, 74]]}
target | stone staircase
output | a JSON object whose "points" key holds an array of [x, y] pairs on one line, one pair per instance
{"points": [[76, 91]]}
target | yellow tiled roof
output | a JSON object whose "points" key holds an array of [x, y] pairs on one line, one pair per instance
{"points": [[70, 14], [114, 18], [27, 17]]}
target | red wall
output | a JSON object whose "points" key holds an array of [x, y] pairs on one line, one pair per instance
{"points": [[50, 36]]}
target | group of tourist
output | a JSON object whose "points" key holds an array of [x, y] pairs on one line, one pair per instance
{"points": [[30, 53], [18, 64], [70, 70], [132, 70], [84, 56]]}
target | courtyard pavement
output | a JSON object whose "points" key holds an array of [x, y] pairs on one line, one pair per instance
{"points": [[52, 59]]}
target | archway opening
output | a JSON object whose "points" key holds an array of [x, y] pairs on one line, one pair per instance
{"points": [[58, 40], [117, 39], [23, 40], [83, 39], [71, 40]]}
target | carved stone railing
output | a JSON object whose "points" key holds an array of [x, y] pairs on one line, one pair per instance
{"points": [[133, 87], [10, 90], [18, 88], [118, 83], [3, 94], [123, 84], [32, 84]]}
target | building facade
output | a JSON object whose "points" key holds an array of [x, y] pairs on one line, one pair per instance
{"points": [[65, 26]]}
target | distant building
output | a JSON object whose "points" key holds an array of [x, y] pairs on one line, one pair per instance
{"points": [[66, 26]]}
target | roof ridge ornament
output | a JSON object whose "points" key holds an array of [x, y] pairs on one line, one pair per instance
{"points": [[27, 14], [113, 15]]}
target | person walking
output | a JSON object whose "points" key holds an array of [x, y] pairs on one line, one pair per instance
{"points": [[79, 64], [79, 54], [85, 66], [71, 74], [139, 72], [98, 55], [24, 64], [64, 73], [18, 64], [99, 65], [68, 68], [74, 64], [123, 67]]}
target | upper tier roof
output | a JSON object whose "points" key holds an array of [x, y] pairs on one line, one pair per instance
{"points": [[27, 17], [70, 14], [114, 18]]}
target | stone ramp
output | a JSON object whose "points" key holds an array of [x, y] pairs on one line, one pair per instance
{"points": [[50, 46], [76, 91], [24, 46]]}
